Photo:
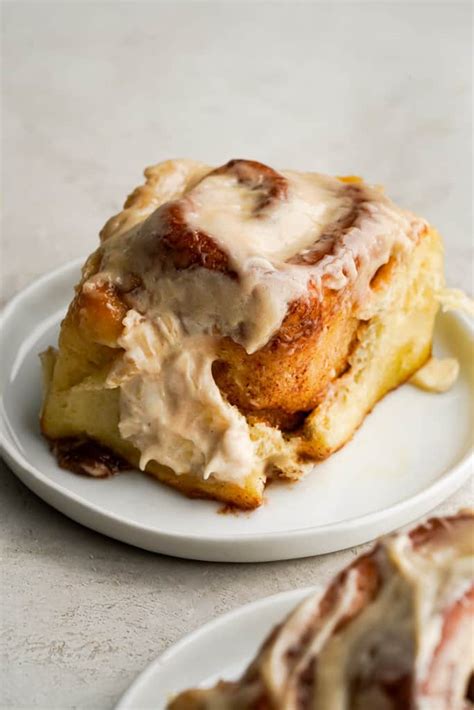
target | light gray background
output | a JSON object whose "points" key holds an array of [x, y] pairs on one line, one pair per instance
{"points": [[93, 93]]}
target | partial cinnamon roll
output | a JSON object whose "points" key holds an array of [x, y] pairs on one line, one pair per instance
{"points": [[393, 631], [238, 323]]}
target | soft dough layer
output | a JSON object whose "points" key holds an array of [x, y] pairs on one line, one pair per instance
{"points": [[360, 307]]}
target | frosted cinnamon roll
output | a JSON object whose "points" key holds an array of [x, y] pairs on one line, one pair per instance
{"points": [[237, 324], [393, 631]]}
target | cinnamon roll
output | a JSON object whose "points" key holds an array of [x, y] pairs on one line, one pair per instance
{"points": [[238, 323], [393, 631]]}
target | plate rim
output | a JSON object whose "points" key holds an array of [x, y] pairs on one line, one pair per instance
{"points": [[291, 595], [402, 510]]}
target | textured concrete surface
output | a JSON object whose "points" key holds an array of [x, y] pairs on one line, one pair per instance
{"points": [[92, 93]]}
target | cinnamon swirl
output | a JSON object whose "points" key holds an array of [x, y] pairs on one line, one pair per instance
{"points": [[238, 323], [393, 631]]}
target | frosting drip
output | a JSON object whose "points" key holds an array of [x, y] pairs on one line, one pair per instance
{"points": [[171, 407]]}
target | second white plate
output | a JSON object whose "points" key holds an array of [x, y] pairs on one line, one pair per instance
{"points": [[411, 453]]}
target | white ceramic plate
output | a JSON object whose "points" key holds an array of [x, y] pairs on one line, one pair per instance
{"points": [[411, 453], [219, 650]]}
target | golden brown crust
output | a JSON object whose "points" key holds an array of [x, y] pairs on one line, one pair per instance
{"points": [[100, 312], [291, 373], [246, 497]]}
